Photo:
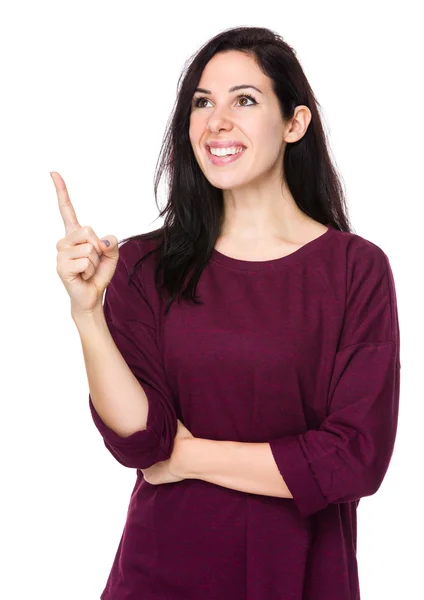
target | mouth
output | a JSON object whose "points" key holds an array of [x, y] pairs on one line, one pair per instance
{"points": [[223, 160]]}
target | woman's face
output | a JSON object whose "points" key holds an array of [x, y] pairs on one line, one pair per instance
{"points": [[230, 115]]}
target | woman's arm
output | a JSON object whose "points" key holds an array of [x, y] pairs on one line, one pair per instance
{"points": [[116, 393], [247, 467]]}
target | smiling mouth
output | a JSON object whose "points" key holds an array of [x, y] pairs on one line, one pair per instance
{"points": [[225, 155]]}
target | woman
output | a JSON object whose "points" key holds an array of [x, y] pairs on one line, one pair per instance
{"points": [[260, 412]]}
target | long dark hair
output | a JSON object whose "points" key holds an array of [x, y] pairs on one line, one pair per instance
{"points": [[194, 211]]}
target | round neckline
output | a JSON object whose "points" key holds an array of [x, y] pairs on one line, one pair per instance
{"points": [[283, 261]]}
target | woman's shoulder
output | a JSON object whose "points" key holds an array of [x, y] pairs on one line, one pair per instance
{"points": [[358, 249], [133, 248]]}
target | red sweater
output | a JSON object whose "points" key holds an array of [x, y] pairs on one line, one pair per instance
{"points": [[301, 352]]}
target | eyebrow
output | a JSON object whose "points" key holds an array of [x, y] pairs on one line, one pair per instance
{"points": [[232, 89]]}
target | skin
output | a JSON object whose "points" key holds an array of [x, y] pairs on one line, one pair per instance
{"points": [[258, 209], [82, 243]]}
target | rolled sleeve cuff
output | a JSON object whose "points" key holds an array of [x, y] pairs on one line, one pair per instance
{"points": [[142, 448], [298, 475]]}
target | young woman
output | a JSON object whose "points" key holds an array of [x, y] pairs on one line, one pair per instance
{"points": [[245, 360]]}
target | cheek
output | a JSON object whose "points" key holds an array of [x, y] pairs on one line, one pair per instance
{"points": [[195, 132], [270, 138], [258, 131]]}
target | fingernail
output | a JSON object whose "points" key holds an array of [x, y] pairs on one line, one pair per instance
{"points": [[106, 242]]}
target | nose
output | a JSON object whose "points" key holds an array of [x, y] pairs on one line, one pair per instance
{"points": [[216, 124], [219, 120]]}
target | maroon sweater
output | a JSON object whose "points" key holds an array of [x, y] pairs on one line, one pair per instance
{"points": [[301, 352]]}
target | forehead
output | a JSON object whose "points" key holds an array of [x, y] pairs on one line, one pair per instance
{"points": [[232, 68]]}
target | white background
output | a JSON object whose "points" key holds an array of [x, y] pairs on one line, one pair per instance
{"points": [[87, 89]]}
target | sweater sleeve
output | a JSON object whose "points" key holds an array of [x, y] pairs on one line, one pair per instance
{"points": [[131, 322], [347, 458]]}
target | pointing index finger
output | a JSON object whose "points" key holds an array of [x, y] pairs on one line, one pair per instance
{"points": [[65, 205]]}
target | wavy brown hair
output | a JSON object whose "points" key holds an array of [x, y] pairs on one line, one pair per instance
{"points": [[194, 212]]}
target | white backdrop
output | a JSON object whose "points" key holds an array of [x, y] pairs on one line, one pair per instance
{"points": [[87, 89]]}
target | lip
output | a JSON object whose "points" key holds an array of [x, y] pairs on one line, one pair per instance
{"points": [[223, 160]]}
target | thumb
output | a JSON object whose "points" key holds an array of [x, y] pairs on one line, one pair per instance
{"points": [[108, 261], [109, 245]]}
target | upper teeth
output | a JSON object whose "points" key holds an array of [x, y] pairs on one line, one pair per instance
{"points": [[224, 151]]}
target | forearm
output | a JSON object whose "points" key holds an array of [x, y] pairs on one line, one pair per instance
{"points": [[246, 467], [116, 393]]}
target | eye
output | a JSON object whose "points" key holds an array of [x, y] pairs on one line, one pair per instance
{"points": [[197, 100]]}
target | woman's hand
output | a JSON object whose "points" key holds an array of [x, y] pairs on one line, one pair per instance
{"points": [[171, 470], [83, 274]]}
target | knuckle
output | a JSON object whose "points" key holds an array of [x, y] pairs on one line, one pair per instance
{"points": [[82, 249], [90, 235], [88, 230], [88, 248]]}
